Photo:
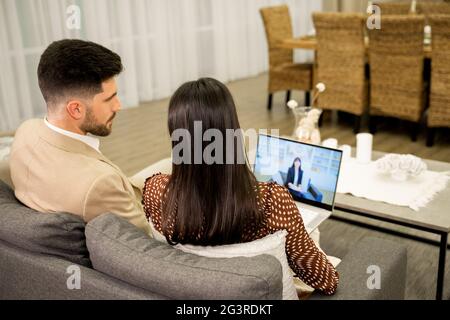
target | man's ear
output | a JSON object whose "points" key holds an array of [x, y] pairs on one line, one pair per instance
{"points": [[75, 109]]}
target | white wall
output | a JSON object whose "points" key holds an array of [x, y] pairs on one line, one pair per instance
{"points": [[163, 43]]}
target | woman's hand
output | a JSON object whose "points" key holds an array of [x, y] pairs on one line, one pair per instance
{"points": [[294, 187]]}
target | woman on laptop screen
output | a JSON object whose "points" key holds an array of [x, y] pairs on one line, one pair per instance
{"points": [[294, 178], [209, 200]]}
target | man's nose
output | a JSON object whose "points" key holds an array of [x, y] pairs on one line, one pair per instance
{"points": [[117, 105]]}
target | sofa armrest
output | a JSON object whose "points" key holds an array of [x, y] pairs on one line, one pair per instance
{"points": [[5, 174], [361, 265], [123, 251]]}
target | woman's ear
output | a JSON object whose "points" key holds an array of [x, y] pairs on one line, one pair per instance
{"points": [[75, 109]]}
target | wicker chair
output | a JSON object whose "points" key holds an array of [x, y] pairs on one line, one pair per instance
{"points": [[284, 75], [396, 69], [389, 8], [431, 8], [341, 61], [439, 110]]}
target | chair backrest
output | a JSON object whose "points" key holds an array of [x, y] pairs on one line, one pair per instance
{"points": [[277, 24], [388, 8], [431, 8], [439, 111], [341, 61], [396, 56]]}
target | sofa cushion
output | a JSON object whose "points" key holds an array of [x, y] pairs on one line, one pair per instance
{"points": [[272, 244], [58, 234], [123, 251]]}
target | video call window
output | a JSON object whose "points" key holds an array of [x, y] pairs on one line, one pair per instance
{"points": [[307, 171]]}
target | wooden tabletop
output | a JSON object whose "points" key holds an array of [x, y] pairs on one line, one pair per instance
{"points": [[310, 43]]}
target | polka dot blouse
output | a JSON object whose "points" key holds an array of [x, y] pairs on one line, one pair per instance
{"points": [[280, 212]]}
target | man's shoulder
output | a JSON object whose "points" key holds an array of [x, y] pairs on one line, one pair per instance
{"points": [[91, 170], [29, 125], [104, 172], [27, 132]]}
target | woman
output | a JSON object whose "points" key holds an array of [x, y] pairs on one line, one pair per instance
{"points": [[295, 173], [222, 203], [294, 178]]}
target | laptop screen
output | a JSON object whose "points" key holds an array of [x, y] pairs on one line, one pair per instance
{"points": [[309, 172]]}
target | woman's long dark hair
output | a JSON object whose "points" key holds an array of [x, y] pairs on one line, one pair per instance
{"points": [[293, 162], [208, 204]]}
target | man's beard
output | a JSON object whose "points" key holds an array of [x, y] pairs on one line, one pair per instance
{"points": [[92, 126]]}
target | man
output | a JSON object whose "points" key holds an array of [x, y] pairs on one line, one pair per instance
{"points": [[55, 164]]}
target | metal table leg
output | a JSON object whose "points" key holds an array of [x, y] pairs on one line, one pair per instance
{"points": [[441, 266]]}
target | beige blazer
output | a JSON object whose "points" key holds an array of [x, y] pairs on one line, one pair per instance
{"points": [[55, 173]]}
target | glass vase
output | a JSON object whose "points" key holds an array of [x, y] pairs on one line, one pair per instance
{"points": [[306, 128]]}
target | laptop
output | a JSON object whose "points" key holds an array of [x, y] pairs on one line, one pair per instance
{"points": [[309, 172]]}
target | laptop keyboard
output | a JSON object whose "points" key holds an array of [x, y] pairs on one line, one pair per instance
{"points": [[308, 215]]}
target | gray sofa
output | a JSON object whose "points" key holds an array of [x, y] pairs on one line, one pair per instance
{"points": [[42, 255]]}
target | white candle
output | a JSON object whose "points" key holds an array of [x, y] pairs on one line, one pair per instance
{"points": [[330, 143], [346, 151], [364, 147]]}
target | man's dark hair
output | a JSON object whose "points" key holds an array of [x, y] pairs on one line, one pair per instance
{"points": [[73, 66]]}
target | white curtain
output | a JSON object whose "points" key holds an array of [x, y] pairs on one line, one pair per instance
{"points": [[163, 43]]}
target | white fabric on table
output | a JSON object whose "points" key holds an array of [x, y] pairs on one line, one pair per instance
{"points": [[363, 180]]}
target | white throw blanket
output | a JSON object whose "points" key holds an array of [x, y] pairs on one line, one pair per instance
{"points": [[363, 180]]}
